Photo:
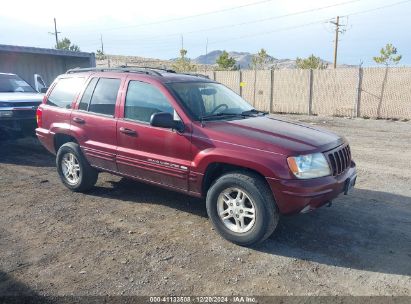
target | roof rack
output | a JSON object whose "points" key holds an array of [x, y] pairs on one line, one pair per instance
{"points": [[145, 70], [195, 74], [133, 69]]}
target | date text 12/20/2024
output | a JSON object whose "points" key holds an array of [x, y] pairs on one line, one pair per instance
{"points": [[203, 299]]}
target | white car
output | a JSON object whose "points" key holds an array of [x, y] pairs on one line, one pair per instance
{"points": [[18, 105]]}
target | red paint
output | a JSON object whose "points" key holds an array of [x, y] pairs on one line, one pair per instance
{"points": [[179, 161]]}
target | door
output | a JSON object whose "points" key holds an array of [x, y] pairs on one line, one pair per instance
{"points": [[154, 154], [95, 124]]}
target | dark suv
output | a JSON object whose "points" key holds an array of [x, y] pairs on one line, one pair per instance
{"points": [[191, 134]]}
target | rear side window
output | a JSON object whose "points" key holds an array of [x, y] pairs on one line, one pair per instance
{"points": [[85, 100], [104, 97], [143, 100], [65, 91]]}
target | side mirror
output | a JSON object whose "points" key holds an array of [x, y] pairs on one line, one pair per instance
{"points": [[39, 83], [166, 120], [43, 90]]}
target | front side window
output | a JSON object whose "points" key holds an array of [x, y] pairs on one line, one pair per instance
{"points": [[104, 97], [143, 100], [203, 99], [13, 83]]}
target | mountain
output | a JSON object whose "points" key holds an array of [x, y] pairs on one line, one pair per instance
{"points": [[202, 62], [244, 60]]}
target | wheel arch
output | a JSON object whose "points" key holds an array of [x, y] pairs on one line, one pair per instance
{"points": [[217, 169], [60, 139]]}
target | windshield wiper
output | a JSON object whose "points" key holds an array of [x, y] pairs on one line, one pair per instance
{"points": [[221, 114], [253, 112]]}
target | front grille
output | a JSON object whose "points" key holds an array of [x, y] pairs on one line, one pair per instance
{"points": [[24, 104], [24, 114], [340, 159]]}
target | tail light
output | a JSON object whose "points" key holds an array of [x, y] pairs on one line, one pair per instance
{"points": [[39, 118]]}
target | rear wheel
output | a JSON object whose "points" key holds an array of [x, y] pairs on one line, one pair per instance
{"points": [[74, 170], [241, 208]]}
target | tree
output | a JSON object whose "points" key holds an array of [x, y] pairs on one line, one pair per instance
{"points": [[225, 62], [388, 55], [312, 62], [259, 60], [183, 64], [66, 44], [100, 55]]}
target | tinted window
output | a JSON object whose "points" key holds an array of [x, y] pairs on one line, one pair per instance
{"points": [[105, 96], [65, 91], [143, 100], [13, 83], [85, 100]]}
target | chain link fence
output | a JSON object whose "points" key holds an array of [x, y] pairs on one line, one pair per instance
{"points": [[351, 92]]}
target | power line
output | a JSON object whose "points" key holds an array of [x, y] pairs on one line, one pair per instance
{"points": [[376, 8], [305, 24], [190, 16], [310, 23], [261, 19]]}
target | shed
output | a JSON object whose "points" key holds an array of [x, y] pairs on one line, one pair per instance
{"points": [[49, 63]]}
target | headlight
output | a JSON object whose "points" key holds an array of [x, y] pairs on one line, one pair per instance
{"points": [[6, 113], [309, 166]]}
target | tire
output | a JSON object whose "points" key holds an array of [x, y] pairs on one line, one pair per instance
{"points": [[77, 180], [255, 195]]}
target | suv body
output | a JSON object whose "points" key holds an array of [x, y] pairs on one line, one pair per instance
{"points": [[145, 125], [18, 105]]}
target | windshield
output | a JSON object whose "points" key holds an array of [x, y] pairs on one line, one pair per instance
{"points": [[209, 99], [13, 83]]}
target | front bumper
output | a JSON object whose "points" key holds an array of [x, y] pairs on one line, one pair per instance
{"points": [[294, 196], [12, 127]]}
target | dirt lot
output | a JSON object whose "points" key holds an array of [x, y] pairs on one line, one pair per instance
{"points": [[129, 238]]}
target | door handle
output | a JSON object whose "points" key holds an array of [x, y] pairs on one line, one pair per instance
{"points": [[127, 131], [79, 120]]}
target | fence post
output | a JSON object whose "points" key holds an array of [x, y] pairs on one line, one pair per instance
{"points": [[240, 84], [255, 85], [271, 90], [358, 96], [310, 91], [214, 75]]}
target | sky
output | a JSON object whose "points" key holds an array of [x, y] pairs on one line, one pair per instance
{"points": [[286, 29]]}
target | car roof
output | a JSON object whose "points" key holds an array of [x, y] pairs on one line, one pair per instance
{"points": [[161, 75]]}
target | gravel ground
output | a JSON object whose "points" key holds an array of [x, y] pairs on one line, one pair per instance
{"points": [[128, 238]]}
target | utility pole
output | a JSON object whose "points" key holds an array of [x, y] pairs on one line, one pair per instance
{"points": [[182, 42], [102, 45], [206, 55], [55, 33], [337, 30]]}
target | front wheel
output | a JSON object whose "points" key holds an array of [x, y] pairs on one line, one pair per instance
{"points": [[241, 208], [74, 170]]}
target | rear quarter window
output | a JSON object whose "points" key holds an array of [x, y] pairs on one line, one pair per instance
{"points": [[65, 91]]}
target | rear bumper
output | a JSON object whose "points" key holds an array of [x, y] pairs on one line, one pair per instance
{"points": [[46, 139], [294, 196]]}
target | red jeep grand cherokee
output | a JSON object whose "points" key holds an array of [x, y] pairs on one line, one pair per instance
{"points": [[191, 134]]}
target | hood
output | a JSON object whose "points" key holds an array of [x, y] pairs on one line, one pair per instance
{"points": [[273, 134], [21, 97]]}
